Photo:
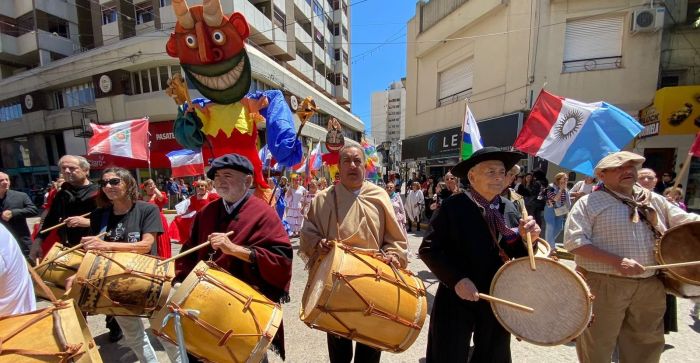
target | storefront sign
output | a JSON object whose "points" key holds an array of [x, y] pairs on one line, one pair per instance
{"points": [[675, 111]]}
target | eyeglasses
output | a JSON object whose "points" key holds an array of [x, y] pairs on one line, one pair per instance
{"points": [[113, 182]]}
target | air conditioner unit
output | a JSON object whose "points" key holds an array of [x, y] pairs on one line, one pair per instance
{"points": [[647, 20]]}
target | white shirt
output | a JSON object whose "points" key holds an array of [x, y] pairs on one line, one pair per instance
{"points": [[16, 290]]}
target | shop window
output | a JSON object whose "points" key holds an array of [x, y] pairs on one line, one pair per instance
{"points": [[593, 44]]}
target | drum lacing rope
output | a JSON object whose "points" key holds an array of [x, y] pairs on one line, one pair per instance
{"points": [[399, 282], [242, 298], [70, 350], [130, 271], [81, 280]]}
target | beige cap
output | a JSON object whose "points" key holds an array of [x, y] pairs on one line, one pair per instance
{"points": [[618, 159]]}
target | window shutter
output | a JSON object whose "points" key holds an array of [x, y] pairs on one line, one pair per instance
{"points": [[456, 79], [593, 38]]}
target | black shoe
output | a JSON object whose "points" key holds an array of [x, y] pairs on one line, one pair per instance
{"points": [[115, 331], [115, 335]]}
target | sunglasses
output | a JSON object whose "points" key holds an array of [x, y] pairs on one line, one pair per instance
{"points": [[113, 182]]}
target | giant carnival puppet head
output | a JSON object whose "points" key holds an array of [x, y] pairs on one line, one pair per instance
{"points": [[211, 50]]}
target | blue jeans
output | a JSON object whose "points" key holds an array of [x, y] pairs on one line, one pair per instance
{"points": [[553, 226]]}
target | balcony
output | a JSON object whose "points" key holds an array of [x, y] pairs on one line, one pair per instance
{"points": [[258, 22], [302, 36], [303, 6], [55, 43], [167, 17], [342, 94], [301, 68], [110, 33], [60, 9], [18, 46], [15, 8]]}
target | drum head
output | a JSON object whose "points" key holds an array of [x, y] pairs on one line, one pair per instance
{"points": [[317, 280], [682, 244], [560, 297]]}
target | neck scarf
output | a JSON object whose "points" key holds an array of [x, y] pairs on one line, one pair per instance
{"points": [[639, 205], [493, 216]]}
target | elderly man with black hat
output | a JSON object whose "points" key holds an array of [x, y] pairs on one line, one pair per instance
{"points": [[258, 252], [612, 233], [468, 243]]}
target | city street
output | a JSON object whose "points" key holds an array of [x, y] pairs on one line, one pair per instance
{"points": [[306, 345]]}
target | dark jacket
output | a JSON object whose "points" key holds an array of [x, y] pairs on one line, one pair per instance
{"points": [[461, 245], [71, 201], [22, 207]]}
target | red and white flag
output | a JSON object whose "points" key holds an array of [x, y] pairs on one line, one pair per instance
{"points": [[695, 148], [127, 139], [186, 163]]}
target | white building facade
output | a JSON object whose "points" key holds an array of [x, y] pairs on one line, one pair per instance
{"points": [[65, 64], [389, 122]]}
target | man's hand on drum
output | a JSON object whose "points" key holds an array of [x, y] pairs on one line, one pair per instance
{"points": [[219, 241], [387, 258], [324, 245], [94, 243], [466, 290], [630, 267], [77, 221], [529, 225]]}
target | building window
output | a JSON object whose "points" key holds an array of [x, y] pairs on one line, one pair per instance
{"points": [[279, 18], [345, 81], [336, 29], [319, 38], [144, 14], [345, 57], [336, 54], [153, 79], [330, 50], [345, 33], [164, 3], [593, 44], [455, 83], [338, 79], [693, 14], [109, 15], [345, 8], [79, 95], [336, 4], [10, 112], [329, 23], [318, 9]]}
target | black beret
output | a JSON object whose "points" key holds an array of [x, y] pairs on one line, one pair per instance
{"points": [[230, 161]]}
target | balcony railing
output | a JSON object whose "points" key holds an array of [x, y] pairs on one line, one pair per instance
{"points": [[591, 64]]}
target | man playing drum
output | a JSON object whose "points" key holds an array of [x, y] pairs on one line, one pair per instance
{"points": [[612, 233], [258, 252], [468, 243], [356, 213]]}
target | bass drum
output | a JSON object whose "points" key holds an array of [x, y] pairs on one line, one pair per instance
{"points": [[354, 295], [57, 270], [121, 283], [560, 296], [223, 319], [57, 333], [680, 244]]}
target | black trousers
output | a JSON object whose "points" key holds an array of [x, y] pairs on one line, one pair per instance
{"points": [[453, 321], [340, 351]]}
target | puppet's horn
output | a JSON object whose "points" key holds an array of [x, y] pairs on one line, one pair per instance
{"points": [[213, 15], [182, 12]]}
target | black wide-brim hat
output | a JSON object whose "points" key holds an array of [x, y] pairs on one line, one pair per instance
{"points": [[509, 158]]}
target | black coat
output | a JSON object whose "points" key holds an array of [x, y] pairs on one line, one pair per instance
{"points": [[71, 201], [22, 207]]}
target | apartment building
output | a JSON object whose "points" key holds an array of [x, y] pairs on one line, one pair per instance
{"points": [[388, 121], [496, 56], [64, 64]]}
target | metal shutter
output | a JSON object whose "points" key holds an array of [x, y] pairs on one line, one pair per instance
{"points": [[593, 38], [456, 79]]}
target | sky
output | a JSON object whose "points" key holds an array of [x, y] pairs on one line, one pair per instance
{"points": [[377, 49]]}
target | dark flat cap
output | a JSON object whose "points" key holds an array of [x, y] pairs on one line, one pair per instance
{"points": [[509, 158], [230, 161]]}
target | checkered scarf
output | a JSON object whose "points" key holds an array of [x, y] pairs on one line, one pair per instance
{"points": [[493, 216]]}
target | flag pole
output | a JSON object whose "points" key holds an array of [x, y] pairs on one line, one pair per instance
{"points": [[684, 169]]}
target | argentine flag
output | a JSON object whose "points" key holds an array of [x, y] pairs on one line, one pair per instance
{"points": [[471, 138]]}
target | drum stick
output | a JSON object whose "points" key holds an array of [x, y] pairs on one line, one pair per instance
{"points": [[193, 249], [42, 285], [672, 265], [528, 238], [61, 224], [492, 299], [61, 254]]}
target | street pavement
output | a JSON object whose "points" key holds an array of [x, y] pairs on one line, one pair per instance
{"points": [[304, 344]]}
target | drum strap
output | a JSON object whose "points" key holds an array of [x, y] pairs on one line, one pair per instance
{"points": [[337, 215]]}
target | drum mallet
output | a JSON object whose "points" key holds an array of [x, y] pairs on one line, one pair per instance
{"points": [[530, 253], [61, 224], [496, 300], [193, 249], [61, 254], [672, 265]]}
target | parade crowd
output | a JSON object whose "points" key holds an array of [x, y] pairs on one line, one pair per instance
{"points": [[474, 220]]}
